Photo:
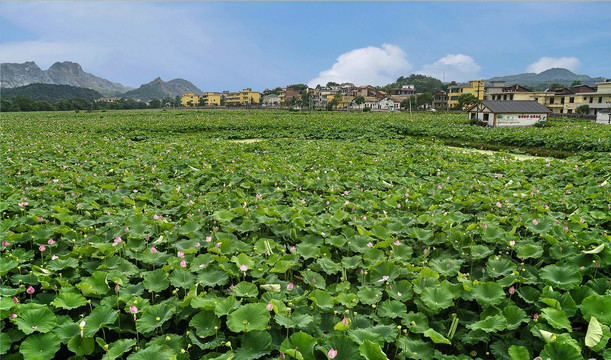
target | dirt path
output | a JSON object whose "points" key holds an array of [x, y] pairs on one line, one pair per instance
{"points": [[519, 157]]}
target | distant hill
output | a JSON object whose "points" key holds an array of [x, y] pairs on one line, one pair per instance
{"points": [[61, 73], [422, 83], [544, 79], [159, 89], [50, 92]]}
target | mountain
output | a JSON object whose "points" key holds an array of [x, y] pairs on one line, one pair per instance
{"points": [[64, 73], [544, 79], [50, 92], [159, 89]]}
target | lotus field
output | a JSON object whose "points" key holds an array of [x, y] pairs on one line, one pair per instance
{"points": [[162, 235]]}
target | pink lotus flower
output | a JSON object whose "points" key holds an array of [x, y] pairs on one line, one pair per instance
{"points": [[117, 241], [156, 217], [181, 254], [345, 321], [332, 353], [369, 244], [153, 250], [512, 243], [197, 244], [484, 226], [13, 316], [208, 239], [282, 356], [582, 220], [51, 242], [290, 286], [183, 263], [535, 222], [54, 257], [30, 290], [259, 196], [292, 249], [218, 244], [536, 316], [42, 248], [15, 300], [397, 242], [512, 290], [5, 243], [126, 229], [270, 306], [499, 205], [243, 268], [133, 309]]}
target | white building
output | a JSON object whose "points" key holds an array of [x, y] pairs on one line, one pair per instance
{"points": [[516, 113]]}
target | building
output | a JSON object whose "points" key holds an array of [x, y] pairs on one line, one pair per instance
{"points": [[495, 87], [440, 100], [474, 87], [271, 100], [189, 99], [603, 117], [290, 95], [507, 113], [405, 90], [599, 100], [212, 98], [244, 97]]}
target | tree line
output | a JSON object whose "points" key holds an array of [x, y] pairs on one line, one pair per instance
{"points": [[23, 103]]}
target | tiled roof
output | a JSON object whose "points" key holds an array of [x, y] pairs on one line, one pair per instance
{"points": [[514, 106]]}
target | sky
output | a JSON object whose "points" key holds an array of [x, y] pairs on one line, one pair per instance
{"points": [[234, 45]]}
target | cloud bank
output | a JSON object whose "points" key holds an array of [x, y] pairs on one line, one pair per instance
{"points": [[570, 62], [366, 66], [457, 67]]}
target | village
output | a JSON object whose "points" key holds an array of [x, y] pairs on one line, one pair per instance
{"points": [[482, 102]]}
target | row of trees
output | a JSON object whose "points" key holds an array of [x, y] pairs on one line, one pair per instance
{"points": [[22, 103]]}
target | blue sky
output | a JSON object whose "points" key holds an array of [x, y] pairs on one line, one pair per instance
{"points": [[232, 45]]}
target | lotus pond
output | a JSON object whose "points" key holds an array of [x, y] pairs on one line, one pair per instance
{"points": [[148, 235]]}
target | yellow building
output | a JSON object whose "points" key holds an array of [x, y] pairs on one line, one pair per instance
{"points": [[189, 99], [475, 87], [245, 97], [212, 98]]}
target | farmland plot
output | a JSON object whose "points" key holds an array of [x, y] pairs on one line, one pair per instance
{"points": [[122, 240]]}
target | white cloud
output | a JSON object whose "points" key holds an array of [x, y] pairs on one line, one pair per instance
{"points": [[457, 67], [366, 66], [570, 62]]}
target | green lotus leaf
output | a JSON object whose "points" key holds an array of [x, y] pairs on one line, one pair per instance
{"points": [[556, 318], [182, 278], [528, 294], [322, 299], [81, 345], [371, 351], [118, 348], [514, 316], [597, 306], [500, 266], [153, 352], [348, 300], [314, 279], [351, 262], [40, 347], [562, 277], [69, 301], [518, 352], [249, 317], [100, 316], [385, 271], [415, 322], [60, 264], [437, 298], [416, 349], [480, 252], [360, 335], [96, 284], [594, 333], [447, 267], [34, 317], [329, 266], [595, 250], [529, 250], [400, 290], [209, 342], [213, 277], [560, 351], [345, 347], [392, 309], [489, 324], [223, 215], [254, 345], [604, 340], [154, 317], [190, 227], [369, 295], [173, 341], [225, 305], [245, 289], [436, 337], [301, 321], [156, 280], [299, 346], [205, 323], [67, 331], [488, 293]]}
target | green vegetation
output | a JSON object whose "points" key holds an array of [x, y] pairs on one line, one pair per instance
{"points": [[422, 83], [152, 235], [50, 93]]}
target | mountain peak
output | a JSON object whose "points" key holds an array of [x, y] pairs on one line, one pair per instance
{"points": [[557, 72], [67, 66]]}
